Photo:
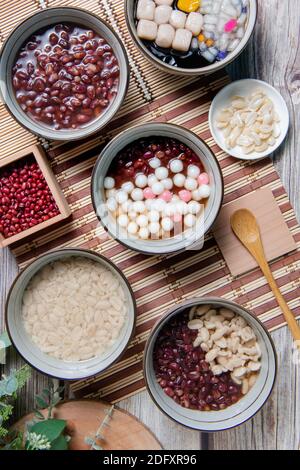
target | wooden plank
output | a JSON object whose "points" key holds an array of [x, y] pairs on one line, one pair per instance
{"points": [[273, 56]]}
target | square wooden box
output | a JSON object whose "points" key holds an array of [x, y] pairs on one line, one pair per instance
{"points": [[37, 152]]}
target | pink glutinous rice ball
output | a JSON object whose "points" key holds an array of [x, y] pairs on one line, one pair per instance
{"points": [[148, 193], [185, 195], [203, 179], [166, 196]]}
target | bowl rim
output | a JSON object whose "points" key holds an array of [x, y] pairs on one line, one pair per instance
{"points": [[212, 111], [79, 253], [196, 71], [70, 137], [190, 303], [145, 126]]}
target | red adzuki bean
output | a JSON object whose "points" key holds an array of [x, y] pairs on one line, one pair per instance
{"points": [[23, 204], [55, 82], [192, 383]]}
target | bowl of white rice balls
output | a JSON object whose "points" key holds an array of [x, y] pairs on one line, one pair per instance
{"points": [[191, 37], [71, 313], [157, 188]]}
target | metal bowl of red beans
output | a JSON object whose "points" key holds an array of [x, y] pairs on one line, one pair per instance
{"points": [[209, 364], [64, 73], [157, 188]]}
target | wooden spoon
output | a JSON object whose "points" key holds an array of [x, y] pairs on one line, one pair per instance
{"points": [[245, 227]]}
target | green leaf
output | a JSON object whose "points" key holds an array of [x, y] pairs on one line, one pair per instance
{"points": [[11, 385], [4, 340], [60, 443], [41, 403], [50, 428], [38, 414], [46, 392]]}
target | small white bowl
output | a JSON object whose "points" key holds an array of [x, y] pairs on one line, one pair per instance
{"points": [[244, 88]]}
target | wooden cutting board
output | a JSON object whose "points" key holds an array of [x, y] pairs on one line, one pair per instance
{"points": [[276, 236], [84, 417]]}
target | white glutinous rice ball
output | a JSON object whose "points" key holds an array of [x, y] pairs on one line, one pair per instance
{"points": [[164, 2], [139, 206], [132, 215], [182, 40], [144, 233], [112, 204], [179, 180], [149, 203], [141, 181], [158, 188], [154, 163], [189, 220], [196, 195], [193, 171], [137, 194], [128, 186], [162, 14], [168, 183], [167, 224], [182, 208], [123, 220], [204, 191], [132, 228], [159, 205], [154, 228], [151, 180], [177, 19], [176, 166], [153, 216], [170, 209], [121, 197], [190, 184], [194, 23], [161, 173], [194, 207], [127, 206], [109, 182], [110, 193], [147, 30], [165, 36], [145, 10], [142, 220]]}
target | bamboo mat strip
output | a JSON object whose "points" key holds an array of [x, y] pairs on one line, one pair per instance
{"points": [[158, 282]]}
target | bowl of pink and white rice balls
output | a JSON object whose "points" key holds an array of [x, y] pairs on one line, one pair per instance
{"points": [[157, 188], [191, 37]]}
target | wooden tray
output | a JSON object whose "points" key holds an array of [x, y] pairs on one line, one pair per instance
{"points": [[38, 154], [84, 417]]}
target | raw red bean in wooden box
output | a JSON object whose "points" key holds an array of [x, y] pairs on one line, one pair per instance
{"points": [[30, 197]]}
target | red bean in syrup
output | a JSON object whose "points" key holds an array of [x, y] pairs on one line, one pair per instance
{"points": [[193, 384], [65, 76], [134, 158]]}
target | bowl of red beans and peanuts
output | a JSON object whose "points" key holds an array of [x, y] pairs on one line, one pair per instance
{"points": [[65, 78], [209, 364]]}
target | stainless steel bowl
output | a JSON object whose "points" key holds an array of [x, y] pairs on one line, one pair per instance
{"points": [[234, 415], [130, 7], [48, 364], [30, 26], [209, 161]]}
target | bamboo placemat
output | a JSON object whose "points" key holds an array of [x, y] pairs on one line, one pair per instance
{"points": [[158, 282]]}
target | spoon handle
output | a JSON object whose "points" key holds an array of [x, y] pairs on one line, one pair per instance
{"points": [[257, 251]]}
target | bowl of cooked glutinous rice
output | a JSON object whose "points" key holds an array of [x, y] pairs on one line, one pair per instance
{"points": [[71, 313]]}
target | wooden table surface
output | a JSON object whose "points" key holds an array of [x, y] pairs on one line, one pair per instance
{"points": [[273, 55]]}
